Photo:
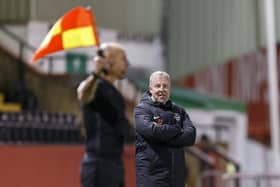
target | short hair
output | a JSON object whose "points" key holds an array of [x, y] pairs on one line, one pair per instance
{"points": [[159, 73]]}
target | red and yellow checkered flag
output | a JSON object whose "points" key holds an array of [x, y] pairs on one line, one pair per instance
{"points": [[74, 29]]}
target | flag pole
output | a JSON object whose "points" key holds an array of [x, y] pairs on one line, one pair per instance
{"points": [[272, 81]]}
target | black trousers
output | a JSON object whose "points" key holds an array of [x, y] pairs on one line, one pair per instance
{"points": [[101, 173]]}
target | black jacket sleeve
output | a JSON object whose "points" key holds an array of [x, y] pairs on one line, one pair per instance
{"points": [[124, 128], [188, 135], [151, 131], [111, 107]]}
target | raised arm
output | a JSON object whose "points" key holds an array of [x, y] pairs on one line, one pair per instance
{"points": [[188, 135], [86, 90], [151, 131]]}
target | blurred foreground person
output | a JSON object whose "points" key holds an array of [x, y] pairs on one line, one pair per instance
{"points": [[162, 130], [106, 125]]}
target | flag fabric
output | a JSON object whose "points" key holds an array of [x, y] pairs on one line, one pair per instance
{"points": [[74, 29]]}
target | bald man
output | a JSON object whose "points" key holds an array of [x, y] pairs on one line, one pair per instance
{"points": [[106, 125]]}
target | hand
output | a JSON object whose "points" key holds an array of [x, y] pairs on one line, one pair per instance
{"points": [[101, 65]]}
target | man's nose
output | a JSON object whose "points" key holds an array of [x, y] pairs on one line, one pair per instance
{"points": [[161, 88]]}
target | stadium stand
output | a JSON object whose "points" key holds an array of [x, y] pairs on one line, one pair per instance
{"points": [[39, 127]]}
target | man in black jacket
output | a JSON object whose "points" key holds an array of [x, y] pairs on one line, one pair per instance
{"points": [[106, 125], [162, 130]]}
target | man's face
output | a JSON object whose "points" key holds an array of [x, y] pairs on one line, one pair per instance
{"points": [[160, 88], [120, 65]]}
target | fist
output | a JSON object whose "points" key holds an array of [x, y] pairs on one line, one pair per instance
{"points": [[100, 64]]}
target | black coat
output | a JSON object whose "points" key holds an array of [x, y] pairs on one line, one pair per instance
{"points": [[161, 133], [106, 129]]}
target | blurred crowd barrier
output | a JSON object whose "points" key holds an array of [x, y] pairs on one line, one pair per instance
{"points": [[39, 127]]}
